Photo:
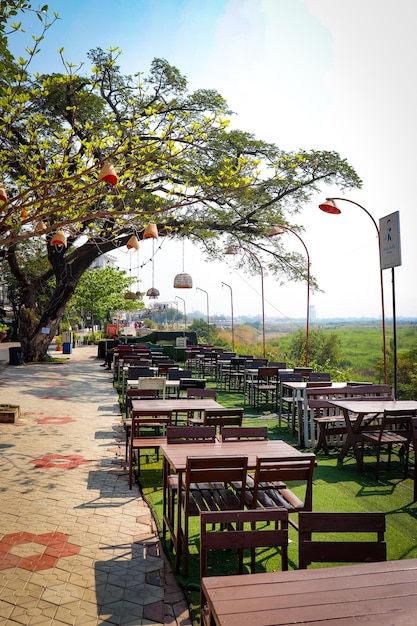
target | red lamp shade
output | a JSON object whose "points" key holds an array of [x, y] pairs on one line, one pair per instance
{"points": [[108, 173], [330, 207], [133, 243], [3, 194], [59, 239], [151, 231]]}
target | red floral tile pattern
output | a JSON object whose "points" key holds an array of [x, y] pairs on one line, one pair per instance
{"points": [[55, 420], [56, 547], [60, 461]]}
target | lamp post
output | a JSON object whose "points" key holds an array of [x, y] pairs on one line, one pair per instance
{"points": [[185, 312], [231, 308], [278, 230], [232, 250], [208, 311], [330, 207]]}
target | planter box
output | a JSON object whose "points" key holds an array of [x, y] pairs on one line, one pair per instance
{"points": [[9, 414]]}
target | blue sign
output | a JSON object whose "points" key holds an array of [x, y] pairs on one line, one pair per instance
{"points": [[389, 240]]}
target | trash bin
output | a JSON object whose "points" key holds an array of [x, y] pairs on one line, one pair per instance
{"points": [[16, 356], [66, 348]]}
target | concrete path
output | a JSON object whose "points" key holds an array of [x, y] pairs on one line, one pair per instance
{"points": [[76, 545]]}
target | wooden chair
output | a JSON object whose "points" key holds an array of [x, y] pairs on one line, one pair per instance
{"points": [[313, 549], [287, 401], [206, 488], [196, 417], [394, 430], [201, 393], [247, 433], [222, 417], [135, 394], [271, 484], [265, 388], [190, 383], [154, 383], [245, 530], [319, 377], [145, 433], [414, 443], [184, 435]]}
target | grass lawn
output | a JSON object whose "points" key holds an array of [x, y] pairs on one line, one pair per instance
{"points": [[337, 487]]}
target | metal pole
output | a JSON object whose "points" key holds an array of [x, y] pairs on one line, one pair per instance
{"points": [[394, 325], [233, 250], [185, 313], [231, 308], [208, 311], [262, 296], [381, 278], [286, 228]]}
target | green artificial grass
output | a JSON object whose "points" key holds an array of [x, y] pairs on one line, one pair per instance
{"points": [[337, 487]]}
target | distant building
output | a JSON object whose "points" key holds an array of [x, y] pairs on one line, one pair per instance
{"points": [[103, 261]]}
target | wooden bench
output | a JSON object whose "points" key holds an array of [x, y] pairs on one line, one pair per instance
{"points": [[330, 422]]}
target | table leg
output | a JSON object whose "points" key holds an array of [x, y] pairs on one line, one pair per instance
{"points": [[352, 430]]}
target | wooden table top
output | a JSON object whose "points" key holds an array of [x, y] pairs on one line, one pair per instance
{"points": [[176, 404], [367, 594], [176, 455], [374, 406]]}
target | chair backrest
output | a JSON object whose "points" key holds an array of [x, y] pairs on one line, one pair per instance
{"points": [[278, 472], [398, 421], [139, 394], [222, 417], [248, 529], [165, 368], [214, 470], [191, 434], [153, 383], [256, 363], [139, 372], [319, 376], [247, 433], [369, 547], [267, 373], [195, 383], [176, 374], [290, 377], [151, 419], [281, 365], [201, 393]]}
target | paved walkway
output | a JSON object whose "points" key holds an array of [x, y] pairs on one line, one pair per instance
{"points": [[76, 545]]}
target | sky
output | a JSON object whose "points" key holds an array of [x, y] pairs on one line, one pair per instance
{"points": [[305, 74]]}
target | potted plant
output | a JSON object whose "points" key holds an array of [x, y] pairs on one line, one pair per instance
{"points": [[9, 413], [4, 329], [58, 341]]}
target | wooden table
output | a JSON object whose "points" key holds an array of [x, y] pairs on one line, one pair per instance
{"points": [[175, 459], [362, 408], [368, 594], [300, 416]]}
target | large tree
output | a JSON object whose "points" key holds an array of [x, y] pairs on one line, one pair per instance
{"points": [[177, 162]]}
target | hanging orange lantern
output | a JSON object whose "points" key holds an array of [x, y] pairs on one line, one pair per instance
{"points": [[150, 231], [59, 239], [40, 227], [3, 194], [108, 173], [133, 243]]}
